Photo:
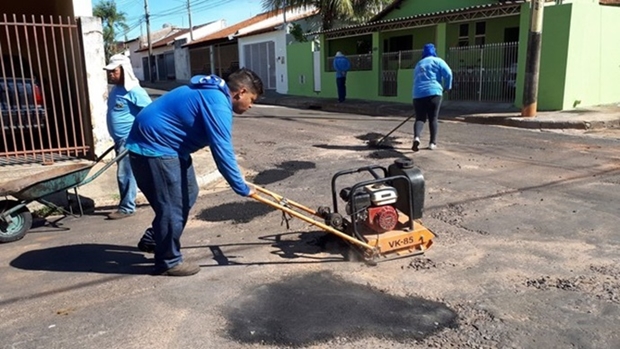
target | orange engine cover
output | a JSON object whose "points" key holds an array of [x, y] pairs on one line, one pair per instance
{"points": [[382, 219]]}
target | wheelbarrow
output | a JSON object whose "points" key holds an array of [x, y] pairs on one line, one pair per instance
{"points": [[16, 218]]}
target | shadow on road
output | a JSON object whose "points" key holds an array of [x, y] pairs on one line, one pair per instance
{"points": [[237, 212], [281, 172], [303, 248], [93, 258]]}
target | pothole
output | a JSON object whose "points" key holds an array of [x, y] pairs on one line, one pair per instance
{"points": [[321, 307]]}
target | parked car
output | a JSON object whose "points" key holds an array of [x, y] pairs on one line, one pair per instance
{"points": [[21, 100]]}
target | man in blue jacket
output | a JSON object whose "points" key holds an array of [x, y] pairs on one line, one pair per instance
{"points": [[164, 135], [341, 66], [431, 77]]}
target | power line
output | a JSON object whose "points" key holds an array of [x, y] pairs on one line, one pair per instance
{"points": [[196, 7]]}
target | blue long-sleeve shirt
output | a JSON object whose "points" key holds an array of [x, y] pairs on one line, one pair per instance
{"points": [[341, 65], [431, 77], [187, 119]]}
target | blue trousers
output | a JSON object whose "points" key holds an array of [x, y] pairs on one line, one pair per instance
{"points": [[126, 181], [341, 84], [169, 184]]}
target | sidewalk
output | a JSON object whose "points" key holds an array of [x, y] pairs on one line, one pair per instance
{"points": [[472, 112]]}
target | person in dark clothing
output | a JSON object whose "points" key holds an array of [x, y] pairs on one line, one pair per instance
{"points": [[341, 65], [160, 144], [431, 77]]}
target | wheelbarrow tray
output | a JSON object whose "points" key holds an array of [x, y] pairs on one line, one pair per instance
{"points": [[15, 218], [49, 182]]}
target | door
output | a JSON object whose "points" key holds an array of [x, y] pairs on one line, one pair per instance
{"points": [[261, 58]]}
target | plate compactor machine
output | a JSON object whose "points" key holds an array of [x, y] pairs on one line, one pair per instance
{"points": [[381, 216]]}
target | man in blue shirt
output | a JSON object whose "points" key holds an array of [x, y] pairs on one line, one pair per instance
{"points": [[431, 77], [341, 66], [160, 143], [125, 101]]}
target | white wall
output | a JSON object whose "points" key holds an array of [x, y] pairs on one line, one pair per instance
{"points": [[207, 29], [82, 8], [182, 68], [279, 39], [97, 82], [135, 58]]}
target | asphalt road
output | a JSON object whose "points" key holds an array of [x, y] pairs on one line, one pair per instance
{"points": [[526, 254]]}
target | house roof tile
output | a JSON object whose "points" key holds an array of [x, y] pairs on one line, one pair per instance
{"points": [[377, 19], [225, 33], [166, 40]]}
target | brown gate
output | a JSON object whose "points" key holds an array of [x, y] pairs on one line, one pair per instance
{"points": [[42, 91]]}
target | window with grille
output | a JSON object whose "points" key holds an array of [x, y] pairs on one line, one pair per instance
{"points": [[480, 34], [463, 35]]}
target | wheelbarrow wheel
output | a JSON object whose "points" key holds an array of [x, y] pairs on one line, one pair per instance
{"points": [[19, 223]]}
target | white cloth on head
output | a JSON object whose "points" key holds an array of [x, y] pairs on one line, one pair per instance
{"points": [[339, 54], [129, 78]]}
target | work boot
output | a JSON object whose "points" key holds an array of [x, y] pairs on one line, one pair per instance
{"points": [[146, 243], [182, 269], [120, 215], [416, 144]]}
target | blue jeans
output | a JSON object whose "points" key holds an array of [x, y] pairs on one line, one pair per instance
{"points": [[169, 184], [126, 181], [341, 84]]}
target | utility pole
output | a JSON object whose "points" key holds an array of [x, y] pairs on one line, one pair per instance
{"points": [[191, 29], [147, 17], [532, 62]]}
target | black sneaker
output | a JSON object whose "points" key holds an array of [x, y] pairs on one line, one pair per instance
{"points": [[182, 269]]}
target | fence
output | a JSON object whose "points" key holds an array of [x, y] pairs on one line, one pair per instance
{"points": [[358, 62], [42, 90], [485, 73], [391, 62]]}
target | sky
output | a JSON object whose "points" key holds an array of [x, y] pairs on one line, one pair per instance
{"points": [[175, 12]]}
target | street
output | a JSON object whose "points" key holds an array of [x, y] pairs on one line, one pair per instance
{"points": [[526, 254]]}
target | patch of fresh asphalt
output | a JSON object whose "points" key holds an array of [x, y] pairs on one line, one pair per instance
{"points": [[318, 307]]}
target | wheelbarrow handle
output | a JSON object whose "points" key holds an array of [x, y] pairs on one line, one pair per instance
{"points": [[118, 157], [105, 153]]}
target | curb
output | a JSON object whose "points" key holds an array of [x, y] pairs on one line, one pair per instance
{"points": [[523, 123], [395, 110]]}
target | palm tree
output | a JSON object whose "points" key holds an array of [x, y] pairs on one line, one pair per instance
{"points": [[353, 11], [112, 20]]}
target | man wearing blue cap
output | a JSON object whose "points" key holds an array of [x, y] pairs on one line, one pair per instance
{"points": [[163, 137], [431, 77]]}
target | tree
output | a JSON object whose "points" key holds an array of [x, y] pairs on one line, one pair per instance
{"points": [[352, 11], [113, 21]]}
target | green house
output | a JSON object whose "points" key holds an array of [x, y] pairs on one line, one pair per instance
{"points": [[483, 41]]}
